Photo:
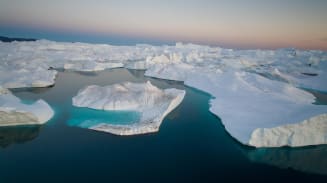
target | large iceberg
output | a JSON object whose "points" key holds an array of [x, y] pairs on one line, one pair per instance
{"points": [[14, 112], [255, 110], [261, 96], [151, 102]]}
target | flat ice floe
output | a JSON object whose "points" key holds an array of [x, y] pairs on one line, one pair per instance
{"points": [[151, 102], [258, 93], [14, 112]]}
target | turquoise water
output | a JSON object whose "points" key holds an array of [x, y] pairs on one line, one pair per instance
{"points": [[86, 118], [191, 145], [28, 102]]}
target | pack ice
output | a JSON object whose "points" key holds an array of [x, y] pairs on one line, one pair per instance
{"points": [[261, 96], [153, 104]]}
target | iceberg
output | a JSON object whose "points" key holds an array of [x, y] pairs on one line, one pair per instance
{"points": [[14, 112], [248, 102], [27, 76], [151, 102]]}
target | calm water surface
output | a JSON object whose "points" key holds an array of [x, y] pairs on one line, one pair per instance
{"points": [[191, 146]]}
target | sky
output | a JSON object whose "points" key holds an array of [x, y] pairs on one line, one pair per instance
{"points": [[226, 23]]}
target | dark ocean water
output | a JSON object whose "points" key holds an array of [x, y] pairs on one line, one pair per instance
{"points": [[191, 146]]}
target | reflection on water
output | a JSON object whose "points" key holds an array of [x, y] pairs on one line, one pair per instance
{"points": [[17, 134], [136, 73], [33, 90], [311, 159], [85, 73]]}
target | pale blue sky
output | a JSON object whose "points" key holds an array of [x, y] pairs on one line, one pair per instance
{"points": [[236, 23]]}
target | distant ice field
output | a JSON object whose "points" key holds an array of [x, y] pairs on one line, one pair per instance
{"points": [[260, 95]]}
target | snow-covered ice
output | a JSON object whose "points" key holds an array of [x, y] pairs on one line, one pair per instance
{"points": [[153, 104], [14, 112], [257, 92]]}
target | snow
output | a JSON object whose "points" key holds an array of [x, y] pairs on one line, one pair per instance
{"points": [[153, 104], [254, 90], [14, 112]]}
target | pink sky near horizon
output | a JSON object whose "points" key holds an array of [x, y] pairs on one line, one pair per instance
{"points": [[254, 23]]}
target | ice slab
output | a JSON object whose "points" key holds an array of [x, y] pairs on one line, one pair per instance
{"points": [[23, 77], [152, 103], [306, 159], [308, 132]]}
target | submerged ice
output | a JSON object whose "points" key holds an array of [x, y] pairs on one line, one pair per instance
{"points": [[152, 103], [258, 94]]}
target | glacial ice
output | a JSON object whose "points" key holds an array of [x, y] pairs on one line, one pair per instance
{"points": [[153, 104], [254, 90], [14, 112]]}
